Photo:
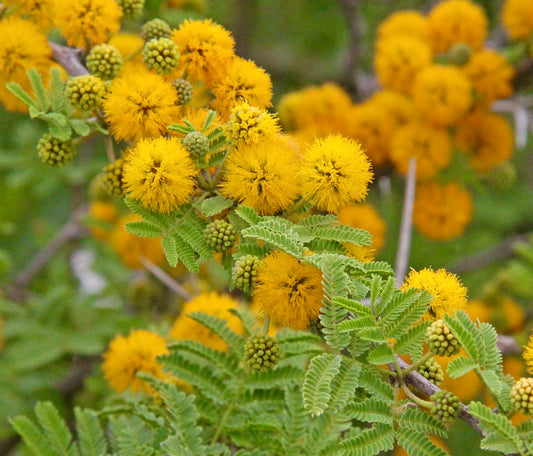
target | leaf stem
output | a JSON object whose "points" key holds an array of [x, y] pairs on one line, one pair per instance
{"points": [[421, 361], [415, 398]]}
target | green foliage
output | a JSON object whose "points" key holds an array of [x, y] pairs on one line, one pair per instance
{"points": [[316, 390]]}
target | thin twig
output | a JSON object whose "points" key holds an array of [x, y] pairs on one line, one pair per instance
{"points": [[501, 251], [109, 148], [72, 230], [423, 385], [402, 257], [69, 58], [508, 345], [167, 280]]}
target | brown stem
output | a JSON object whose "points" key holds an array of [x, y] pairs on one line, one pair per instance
{"points": [[166, 279], [69, 58], [70, 231]]}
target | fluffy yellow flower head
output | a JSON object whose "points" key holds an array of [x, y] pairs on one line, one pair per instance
{"points": [[287, 291], [406, 22], [131, 248], [140, 105], [442, 94], [448, 292], [490, 75], [212, 303], [486, 138], [243, 80], [335, 173], [364, 216], [399, 59], [128, 355], [250, 124], [159, 173], [206, 50], [431, 146], [457, 21], [399, 108], [442, 212], [262, 175], [320, 110], [517, 17], [38, 11], [86, 23], [23, 46], [528, 354]]}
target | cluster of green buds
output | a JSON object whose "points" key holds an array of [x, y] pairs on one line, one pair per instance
{"points": [[220, 235], [112, 178], [85, 92], [262, 352], [54, 151], [244, 273], [432, 371], [522, 395], [196, 143], [155, 29], [441, 340], [104, 61], [184, 90], [446, 406], [131, 8], [161, 55]]}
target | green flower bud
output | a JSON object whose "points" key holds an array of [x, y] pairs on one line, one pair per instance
{"points": [[54, 151], [220, 235], [131, 8], [184, 90], [244, 273], [85, 92], [155, 29], [522, 396], [432, 371], [112, 178], [104, 61], [446, 406], [440, 339], [196, 143], [262, 352], [161, 55]]}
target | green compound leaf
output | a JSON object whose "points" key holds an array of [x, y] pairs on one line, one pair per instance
{"points": [[351, 305], [276, 378], [91, 437], [369, 442], [316, 389], [344, 384], [499, 433], [32, 436], [381, 354], [411, 340], [169, 247], [317, 220], [143, 229], [415, 419], [466, 332], [286, 241], [55, 429], [370, 410], [186, 254], [378, 388], [195, 239], [342, 233], [81, 127], [460, 366], [17, 90], [38, 88], [417, 443], [248, 215], [220, 328], [214, 205]]}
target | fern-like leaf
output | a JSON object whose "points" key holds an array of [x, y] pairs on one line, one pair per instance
{"points": [[417, 443], [143, 229], [326, 246], [370, 410], [195, 239], [152, 217], [276, 378], [220, 328], [91, 437], [372, 382], [491, 358], [369, 442], [353, 306], [381, 354], [378, 267], [316, 388], [416, 420], [344, 384], [38, 89], [16, 89], [214, 205], [186, 254], [343, 233], [466, 332], [169, 247], [411, 340], [460, 366], [248, 215], [58, 99], [55, 429], [287, 241], [32, 436], [500, 434], [317, 220]]}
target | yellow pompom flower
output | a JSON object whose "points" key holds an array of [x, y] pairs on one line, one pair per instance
{"points": [[243, 80], [159, 173], [127, 355], [364, 216], [517, 17], [431, 146], [131, 248], [288, 292], [86, 23], [490, 75], [442, 212], [486, 138], [37, 11], [206, 50], [528, 354], [405, 22], [442, 94], [447, 291], [457, 21], [262, 175], [139, 105], [321, 110], [335, 173], [399, 109], [399, 59], [211, 303], [23, 46], [250, 124]]}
